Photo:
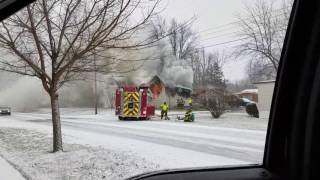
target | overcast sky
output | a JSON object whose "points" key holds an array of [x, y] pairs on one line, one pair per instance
{"points": [[213, 24]]}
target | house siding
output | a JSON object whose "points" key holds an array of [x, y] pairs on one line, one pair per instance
{"points": [[265, 95]]}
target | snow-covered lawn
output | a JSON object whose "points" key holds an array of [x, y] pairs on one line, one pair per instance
{"points": [[29, 152]]}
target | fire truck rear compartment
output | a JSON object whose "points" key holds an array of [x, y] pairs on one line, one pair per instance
{"points": [[132, 103]]}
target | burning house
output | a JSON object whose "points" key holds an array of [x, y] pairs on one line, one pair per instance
{"points": [[161, 91]]}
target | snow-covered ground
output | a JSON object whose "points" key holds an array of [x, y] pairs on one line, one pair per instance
{"points": [[7, 171], [233, 139], [29, 152]]}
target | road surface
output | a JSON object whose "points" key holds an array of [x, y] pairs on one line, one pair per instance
{"points": [[225, 144]]}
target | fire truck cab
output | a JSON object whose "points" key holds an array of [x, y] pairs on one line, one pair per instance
{"points": [[131, 102]]}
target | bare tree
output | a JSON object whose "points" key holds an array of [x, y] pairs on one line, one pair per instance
{"points": [[260, 71], [263, 29], [54, 41], [182, 39], [159, 27], [207, 68]]}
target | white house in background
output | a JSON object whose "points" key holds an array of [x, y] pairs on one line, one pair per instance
{"points": [[265, 89]]}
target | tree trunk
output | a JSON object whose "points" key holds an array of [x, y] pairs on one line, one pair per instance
{"points": [[56, 124]]}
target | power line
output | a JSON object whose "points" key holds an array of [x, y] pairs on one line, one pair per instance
{"points": [[231, 28], [222, 35], [226, 42], [234, 23], [219, 27], [232, 34]]}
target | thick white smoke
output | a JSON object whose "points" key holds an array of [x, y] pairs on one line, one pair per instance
{"points": [[178, 75], [24, 95], [157, 61]]}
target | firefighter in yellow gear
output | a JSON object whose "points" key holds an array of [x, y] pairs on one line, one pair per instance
{"points": [[164, 110], [190, 102]]}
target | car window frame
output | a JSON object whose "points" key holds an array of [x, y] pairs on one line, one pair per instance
{"points": [[279, 160]]}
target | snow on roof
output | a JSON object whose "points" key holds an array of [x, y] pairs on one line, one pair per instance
{"points": [[262, 82], [255, 91], [246, 100], [183, 87]]}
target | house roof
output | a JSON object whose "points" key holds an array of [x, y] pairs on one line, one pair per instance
{"points": [[156, 78]]}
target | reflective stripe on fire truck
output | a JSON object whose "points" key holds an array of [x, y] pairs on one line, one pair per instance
{"points": [[128, 97]]}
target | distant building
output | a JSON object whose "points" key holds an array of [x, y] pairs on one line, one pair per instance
{"points": [[265, 89], [251, 94]]}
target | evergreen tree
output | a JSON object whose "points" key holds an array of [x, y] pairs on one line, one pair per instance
{"points": [[216, 77]]}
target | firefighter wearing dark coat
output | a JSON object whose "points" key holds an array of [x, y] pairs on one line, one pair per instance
{"points": [[188, 117], [164, 111]]}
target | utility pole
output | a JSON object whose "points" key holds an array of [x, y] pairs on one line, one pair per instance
{"points": [[95, 86]]}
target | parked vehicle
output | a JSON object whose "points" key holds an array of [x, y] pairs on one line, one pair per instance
{"points": [[252, 109], [245, 101], [5, 110]]}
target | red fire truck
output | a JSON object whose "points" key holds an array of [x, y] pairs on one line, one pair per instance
{"points": [[131, 102]]}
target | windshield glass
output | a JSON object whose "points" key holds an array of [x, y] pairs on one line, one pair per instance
{"points": [[111, 89]]}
